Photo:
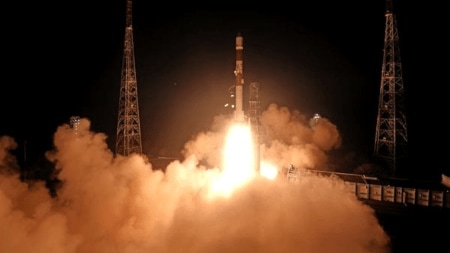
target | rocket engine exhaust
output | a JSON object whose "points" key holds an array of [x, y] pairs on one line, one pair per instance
{"points": [[238, 72]]}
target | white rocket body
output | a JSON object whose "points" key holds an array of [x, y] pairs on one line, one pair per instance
{"points": [[239, 110]]}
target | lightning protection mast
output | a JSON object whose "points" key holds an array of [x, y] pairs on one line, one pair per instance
{"points": [[391, 136], [128, 139]]}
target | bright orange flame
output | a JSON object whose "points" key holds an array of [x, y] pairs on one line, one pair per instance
{"points": [[238, 165]]}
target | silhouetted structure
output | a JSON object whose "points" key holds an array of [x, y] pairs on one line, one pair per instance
{"points": [[128, 139], [391, 137], [254, 114], [74, 123]]}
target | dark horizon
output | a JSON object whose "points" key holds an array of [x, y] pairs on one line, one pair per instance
{"points": [[318, 58]]}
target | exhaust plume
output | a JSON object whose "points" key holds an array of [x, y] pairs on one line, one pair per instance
{"points": [[110, 203]]}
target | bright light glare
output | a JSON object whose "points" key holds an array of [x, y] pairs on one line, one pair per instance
{"points": [[238, 163], [268, 171]]}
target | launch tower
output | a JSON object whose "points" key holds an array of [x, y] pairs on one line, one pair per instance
{"points": [[128, 138], [254, 116], [391, 136]]}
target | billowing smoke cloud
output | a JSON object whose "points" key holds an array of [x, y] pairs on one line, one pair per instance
{"points": [[292, 138], [122, 204]]}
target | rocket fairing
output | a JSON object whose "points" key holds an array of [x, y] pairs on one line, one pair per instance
{"points": [[239, 110]]}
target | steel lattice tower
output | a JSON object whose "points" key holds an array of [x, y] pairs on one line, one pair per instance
{"points": [[391, 136], [128, 139], [254, 115]]}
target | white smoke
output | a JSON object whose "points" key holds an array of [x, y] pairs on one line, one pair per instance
{"points": [[121, 204]]}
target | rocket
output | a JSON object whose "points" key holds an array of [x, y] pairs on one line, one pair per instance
{"points": [[238, 72]]}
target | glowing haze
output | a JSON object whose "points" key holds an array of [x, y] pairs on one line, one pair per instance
{"points": [[213, 200]]}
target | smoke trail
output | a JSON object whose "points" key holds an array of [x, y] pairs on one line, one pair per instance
{"points": [[120, 204]]}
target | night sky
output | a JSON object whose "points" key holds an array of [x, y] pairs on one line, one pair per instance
{"points": [[64, 59]]}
